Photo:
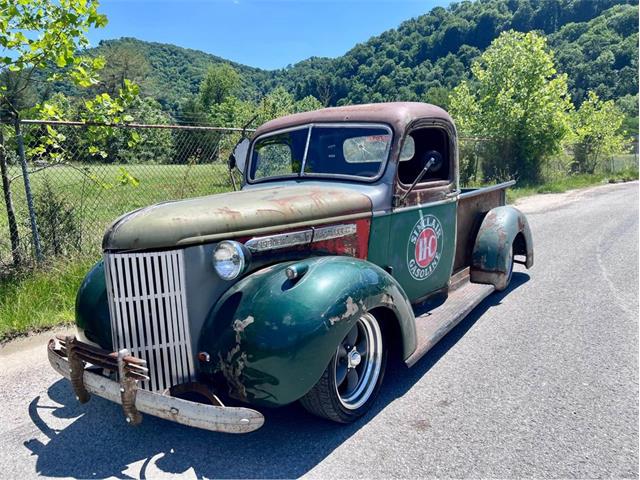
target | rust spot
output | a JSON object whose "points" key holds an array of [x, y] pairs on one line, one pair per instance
{"points": [[386, 299], [232, 367], [228, 212], [351, 308], [502, 238], [233, 364], [491, 219], [270, 210], [240, 325], [356, 245]]}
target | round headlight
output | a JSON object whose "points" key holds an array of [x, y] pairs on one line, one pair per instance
{"points": [[228, 260]]}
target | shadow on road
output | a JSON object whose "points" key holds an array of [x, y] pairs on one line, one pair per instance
{"points": [[100, 444]]}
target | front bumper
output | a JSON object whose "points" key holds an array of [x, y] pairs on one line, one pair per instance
{"points": [[69, 357]]}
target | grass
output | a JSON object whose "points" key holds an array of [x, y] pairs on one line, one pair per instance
{"points": [[41, 299], [563, 184], [98, 196], [45, 298]]}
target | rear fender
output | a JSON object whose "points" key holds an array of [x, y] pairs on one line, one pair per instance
{"points": [[492, 249], [272, 338]]}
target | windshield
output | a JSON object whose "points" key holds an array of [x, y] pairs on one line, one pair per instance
{"points": [[320, 150]]}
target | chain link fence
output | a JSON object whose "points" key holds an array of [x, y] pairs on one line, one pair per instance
{"points": [[486, 160], [83, 176]]}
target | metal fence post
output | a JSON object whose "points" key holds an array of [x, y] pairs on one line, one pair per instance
{"points": [[27, 191], [14, 235]]}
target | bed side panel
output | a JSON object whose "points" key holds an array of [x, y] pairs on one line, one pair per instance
{"points": [[471, 211]]}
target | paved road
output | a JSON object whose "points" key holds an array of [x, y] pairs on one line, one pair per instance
{"points": [[541, 381]]}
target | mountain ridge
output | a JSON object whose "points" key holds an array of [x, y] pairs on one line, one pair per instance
{"points": [[424, 57]]}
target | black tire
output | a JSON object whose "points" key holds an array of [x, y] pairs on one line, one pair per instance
{"points": [[335, 400]]}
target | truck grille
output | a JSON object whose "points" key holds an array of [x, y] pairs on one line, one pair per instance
{"points": [[148, 308]]}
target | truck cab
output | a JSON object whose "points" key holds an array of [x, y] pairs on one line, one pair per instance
{"points": [[349, 223]]}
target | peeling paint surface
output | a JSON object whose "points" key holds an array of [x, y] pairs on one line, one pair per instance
{"points": [[233, 364], [355, 245], [351, 308], [240, 325], [235, 214], [273, 339], [492, 250], [386, 299]]}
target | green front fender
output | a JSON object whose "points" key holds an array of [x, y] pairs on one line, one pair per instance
{"points": [[92, 308], [502, 228], [272, 337]]}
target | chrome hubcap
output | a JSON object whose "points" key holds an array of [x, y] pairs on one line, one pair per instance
{"points": [[358, 362], [354, 358]]}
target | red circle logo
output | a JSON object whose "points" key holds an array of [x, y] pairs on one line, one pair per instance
{"points": [[426, 247]]}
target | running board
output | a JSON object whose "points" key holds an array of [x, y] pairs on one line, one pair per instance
{"points": [[435, 324]]}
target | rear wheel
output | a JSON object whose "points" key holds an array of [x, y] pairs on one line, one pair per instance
{"points": [[353, 377]]}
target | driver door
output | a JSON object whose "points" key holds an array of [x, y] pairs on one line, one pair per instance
{"points": [[423, 227]]}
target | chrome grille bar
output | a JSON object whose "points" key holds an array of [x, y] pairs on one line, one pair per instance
{"points": [[148, 308]]}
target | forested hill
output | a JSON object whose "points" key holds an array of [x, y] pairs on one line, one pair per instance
{"points": [[595, 43], [169, 73]]}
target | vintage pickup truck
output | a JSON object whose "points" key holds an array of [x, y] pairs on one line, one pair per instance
{"points": [[349, 238]]}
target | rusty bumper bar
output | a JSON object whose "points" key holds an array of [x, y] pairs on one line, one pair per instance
{"points": [[68, 357]]}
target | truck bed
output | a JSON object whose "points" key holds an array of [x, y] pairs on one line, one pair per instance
{"points": [[473, 205], [434, 321]]}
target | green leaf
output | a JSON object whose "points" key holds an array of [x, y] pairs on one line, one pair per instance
{"points": [[61, 61], [127, 179]]}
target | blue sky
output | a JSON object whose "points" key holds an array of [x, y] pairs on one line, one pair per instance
{"points": [[267, 34]]}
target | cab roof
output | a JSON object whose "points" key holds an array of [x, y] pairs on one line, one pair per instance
{"points": [[397, 114]]}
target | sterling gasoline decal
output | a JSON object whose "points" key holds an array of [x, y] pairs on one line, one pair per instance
{"points": [[425, 247]]}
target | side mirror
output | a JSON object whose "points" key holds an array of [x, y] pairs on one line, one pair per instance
{"points": [[238, 158], [434, 160]]}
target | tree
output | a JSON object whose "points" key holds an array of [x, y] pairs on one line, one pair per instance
{"points": [[280, 102], [277, 103], [131, 145], [307, 104], [437, 96], [598, 133], [628, 104], [518, 100], [34, 35], [214, 105], [122, 62], [16, 95], [37, 34], [219, 82], [232, 112]]}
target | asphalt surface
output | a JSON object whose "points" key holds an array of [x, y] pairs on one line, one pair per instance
{"points": [[539, 381]]}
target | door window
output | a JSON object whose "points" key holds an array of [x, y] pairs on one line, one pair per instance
{"points": [[417, 145]]}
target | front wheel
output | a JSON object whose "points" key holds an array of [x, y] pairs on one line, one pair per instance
{"points": [[353, 377]]}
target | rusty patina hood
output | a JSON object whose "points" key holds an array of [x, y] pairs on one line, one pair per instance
{"points": [[235, 214]]}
